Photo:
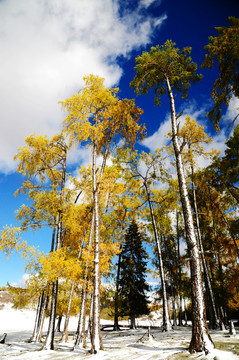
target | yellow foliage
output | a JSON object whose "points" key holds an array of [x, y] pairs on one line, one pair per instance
{"points": [[10, 240]]}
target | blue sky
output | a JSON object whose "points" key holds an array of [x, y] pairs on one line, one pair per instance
{"points": [[46, 48]]}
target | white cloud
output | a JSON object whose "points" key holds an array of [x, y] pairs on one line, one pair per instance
{"points": [[46, 48], [159, 138], [232, 112], [148, 3], [21, 282]]}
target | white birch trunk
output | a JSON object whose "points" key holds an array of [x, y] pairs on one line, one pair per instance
{"points": [[42, 318], [49, 342], [201, 340], [80, 333], [95, 332], [180, 318], [37, 319]]}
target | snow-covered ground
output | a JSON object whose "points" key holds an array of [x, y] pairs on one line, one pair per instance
{"points": [[122, 345]]}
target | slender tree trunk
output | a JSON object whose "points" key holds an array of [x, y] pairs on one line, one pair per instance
{"points": [[180, 317], [40, 306], [42, 318], [201, 339], [174, 304], [37, 319], [80, 332], [185, 313], [64, 337], [58, 326], [212, 305], [95, 333], [166, 321], [132, 322], [49, 342], [80, 329]]}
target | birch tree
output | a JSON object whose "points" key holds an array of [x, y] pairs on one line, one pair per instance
{"points": [[43, 160], [96, 116], [170, 70]]}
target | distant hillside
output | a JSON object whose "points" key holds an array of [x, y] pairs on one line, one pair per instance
{"points": [[5, 298]]}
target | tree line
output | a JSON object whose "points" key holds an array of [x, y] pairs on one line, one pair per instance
{"points": [[89, 213]]}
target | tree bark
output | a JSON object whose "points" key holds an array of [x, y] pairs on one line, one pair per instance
{"points": [[95, 331], [166, 321], [180, 317], [201, 339], [37, 319]]}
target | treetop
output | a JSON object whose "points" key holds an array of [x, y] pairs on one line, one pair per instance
{"points": [[161, 63]]}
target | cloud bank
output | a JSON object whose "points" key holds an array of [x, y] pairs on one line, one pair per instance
{"points": [[46, 48]]}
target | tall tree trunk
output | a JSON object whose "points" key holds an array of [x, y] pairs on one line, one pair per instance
{"points": [[37, 319], [80, 328], [95, 331], [214, 323], [40, 308], [49, 342], [201, 339], [173, 304], [166, 321], [64, 336], [180, 317], [80, 332], [42, 318]]}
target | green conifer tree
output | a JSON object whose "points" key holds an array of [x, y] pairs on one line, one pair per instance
{"points": [[132, 283]]}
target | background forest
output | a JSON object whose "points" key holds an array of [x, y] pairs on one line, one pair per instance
{"points": [[129, 215]]}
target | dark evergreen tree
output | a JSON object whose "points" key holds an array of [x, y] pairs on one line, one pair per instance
{"points": [[132, 285]]}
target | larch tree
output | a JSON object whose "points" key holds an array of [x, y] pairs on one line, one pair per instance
{"points": [[96, 116], [170, 70]]}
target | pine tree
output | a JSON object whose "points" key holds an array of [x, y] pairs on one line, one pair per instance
{"points": [[169, 70], [132, 284]]}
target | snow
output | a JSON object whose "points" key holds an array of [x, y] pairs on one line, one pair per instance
{"points": [[122, 345]]}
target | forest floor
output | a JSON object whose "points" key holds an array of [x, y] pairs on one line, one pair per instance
{"points": [[118, 345]]}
